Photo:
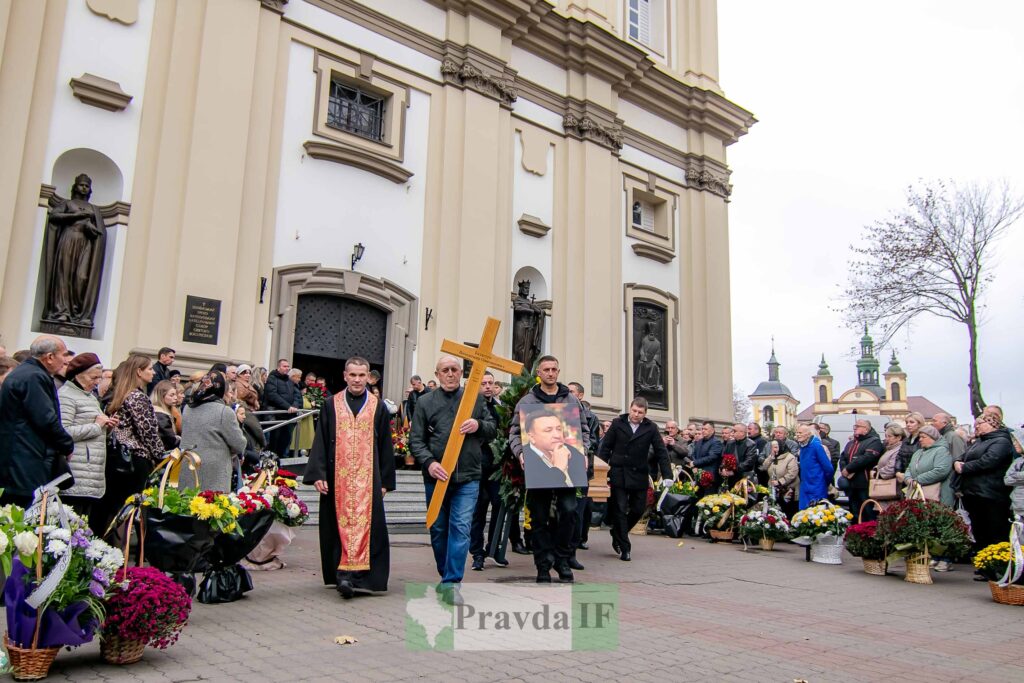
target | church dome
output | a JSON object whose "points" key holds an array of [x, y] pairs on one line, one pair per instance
{"points": [[772, 388]]}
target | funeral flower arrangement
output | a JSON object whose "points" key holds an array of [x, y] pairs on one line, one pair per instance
{"points": [[719, 510], [703, 478], [682, 488], [213, 507], [249, 502], [862, 540], [823, 519], [15, 535], [916, 526], [400, 440], [147, 608], [770, 524], [992, 561], [288, 509]]}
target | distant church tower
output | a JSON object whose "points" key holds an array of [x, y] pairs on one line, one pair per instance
{"points": [[867, 366], [772, 402]]}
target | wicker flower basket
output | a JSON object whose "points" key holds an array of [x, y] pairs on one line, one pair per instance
{"points": [[640, 528], [827, 550], [723, 534], [1010, 595], [918, 570], [875, 567], [117, 650], [766, 543], [30, 664]]}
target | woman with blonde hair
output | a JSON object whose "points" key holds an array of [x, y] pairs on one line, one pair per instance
{"points": [[911, 444], [164, 396]]}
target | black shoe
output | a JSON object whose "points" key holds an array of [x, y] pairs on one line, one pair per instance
{"points": [[543, 576], [625, 556], [478, 564], [520, 549], [575, 564], [500, 563], [564, 573], [346, 590], [616, 547], [583, 546]]}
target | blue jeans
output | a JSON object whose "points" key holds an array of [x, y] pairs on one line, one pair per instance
{"points": [[449, 536]]}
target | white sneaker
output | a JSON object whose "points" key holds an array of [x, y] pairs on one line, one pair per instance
{"points": [[944, 566]]}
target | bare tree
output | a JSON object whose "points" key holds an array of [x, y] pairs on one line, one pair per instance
{"points": [[740, 405], [931, 257]]}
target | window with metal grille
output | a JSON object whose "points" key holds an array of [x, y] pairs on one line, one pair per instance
{"points": [[353, 110], [640, 21]]}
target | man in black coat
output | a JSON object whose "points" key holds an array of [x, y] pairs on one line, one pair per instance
{"points": [[490, 489], [162, 367], [31, 435], [744, 449], [626, 448], [584, 505], [281, 393], [830, 444], [859, 457], [706, 451]]}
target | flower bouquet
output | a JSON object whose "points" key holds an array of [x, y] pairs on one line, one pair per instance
{"points": [[146, 608], [400, 444], [765, 524], [822, 526], [992, 562], [676, 506], [317, 394], [60, 603], [718, 514], [288, 511], [917, 529], [251, 513], [863, 541], [703, 479]]}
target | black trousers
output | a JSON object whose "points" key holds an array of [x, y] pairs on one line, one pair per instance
{"points": [[625, 508], [990, 520], [16, 499], [552, 524], [280, 440], [856, 500], [489, 498], [583, 510]]}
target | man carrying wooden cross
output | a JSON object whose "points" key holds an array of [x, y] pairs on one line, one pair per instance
{"points": [[432, 426]]}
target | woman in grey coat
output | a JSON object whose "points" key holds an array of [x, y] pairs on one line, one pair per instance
{"points": [[83, 419], [213, 430]]}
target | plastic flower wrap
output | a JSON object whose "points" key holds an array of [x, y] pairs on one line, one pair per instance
{"points": [[821, 520], [770, 524]]}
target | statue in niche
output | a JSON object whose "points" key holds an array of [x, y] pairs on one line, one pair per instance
{"points": [[527, 326], [649, 376], [74, 246]]}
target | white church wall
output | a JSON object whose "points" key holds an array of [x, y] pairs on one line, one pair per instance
{"points": [[652, 125], [355, 35], [420, 15], [325, 208], [81, 133], [538, 70], [653, 163], [530, 111]]}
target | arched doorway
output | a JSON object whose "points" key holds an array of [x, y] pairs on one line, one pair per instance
{"points": [[330, 329]]}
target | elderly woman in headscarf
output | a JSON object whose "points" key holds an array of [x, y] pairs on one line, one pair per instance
{"points": [[213, 430]]}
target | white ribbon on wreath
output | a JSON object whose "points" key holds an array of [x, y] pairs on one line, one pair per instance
{"points": [[50, 582], [1015, 568]]}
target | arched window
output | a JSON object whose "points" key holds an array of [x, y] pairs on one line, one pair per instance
{"points": [[768, 415], [894, 393], [822, 394]]}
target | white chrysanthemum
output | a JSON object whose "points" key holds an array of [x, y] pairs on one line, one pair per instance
{"points": [[4, 542], [272, 490], [56, 548], [61, 535], [293, 510], [112, 560], [26, 542], [96, 549]]}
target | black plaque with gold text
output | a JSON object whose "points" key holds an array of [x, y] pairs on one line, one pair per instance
{"points": [[202, 320]]}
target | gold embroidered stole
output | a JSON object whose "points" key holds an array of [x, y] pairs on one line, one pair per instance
{"points": [[353, 480]]}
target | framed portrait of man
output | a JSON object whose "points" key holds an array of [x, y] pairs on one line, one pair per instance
{"points": [[553, 454]]}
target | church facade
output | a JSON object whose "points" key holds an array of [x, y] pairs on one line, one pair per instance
{"points": [[315, 179]]}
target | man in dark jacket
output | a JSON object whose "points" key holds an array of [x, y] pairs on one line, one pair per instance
{"points": [[490, 489], [858, 458], [982, 485], [584, 505], [281, 393], [707, 450], [417, 391], [744, 450], [162, 367], [627, 448], [432, 424], [31, 435], [550, 535], [830, 444]]}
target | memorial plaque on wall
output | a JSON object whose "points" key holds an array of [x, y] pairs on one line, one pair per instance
{"points": [[650, 376], [202, 320]]}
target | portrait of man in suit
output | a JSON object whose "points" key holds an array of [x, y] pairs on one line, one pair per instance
{"points": [[551, 457]]}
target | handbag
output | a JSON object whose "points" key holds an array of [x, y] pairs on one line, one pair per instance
{"points": [[61, 466], [119, 456], [882, 489], [960, 510]]}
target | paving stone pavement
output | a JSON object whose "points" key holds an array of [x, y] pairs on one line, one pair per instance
{"points": [[698, 612]]}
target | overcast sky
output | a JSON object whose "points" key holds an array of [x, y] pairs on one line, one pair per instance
{"points": [[855, 101]]}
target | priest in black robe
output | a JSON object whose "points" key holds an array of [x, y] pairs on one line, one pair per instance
{"points": [[352, 466]]}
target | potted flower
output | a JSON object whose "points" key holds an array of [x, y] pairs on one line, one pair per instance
{"points": [[862, 541], [54, 594], [918, 529], [992, 562], [400, 444], [719, 513], [823, 526], [765, 524], [145, 609]]}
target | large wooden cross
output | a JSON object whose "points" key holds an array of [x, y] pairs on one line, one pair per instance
{"points": [[482, 359]]}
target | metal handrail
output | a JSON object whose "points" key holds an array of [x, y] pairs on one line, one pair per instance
{"points": [[274, 424]]}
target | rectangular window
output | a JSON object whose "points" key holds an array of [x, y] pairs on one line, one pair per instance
{"points": [[643, 215], [353, 110], [639, 20]]}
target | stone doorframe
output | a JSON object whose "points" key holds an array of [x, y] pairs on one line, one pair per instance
{"points": [[289, 282]]}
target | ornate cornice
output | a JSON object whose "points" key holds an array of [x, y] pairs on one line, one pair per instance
{"points": [[100, 92], [274, 5], [588, 121], [352, 156], [702, 179], [470, 68]]}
